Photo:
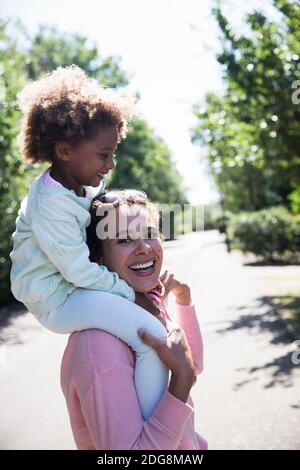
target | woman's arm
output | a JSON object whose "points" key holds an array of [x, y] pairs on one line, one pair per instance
{"points": [[110, 405], [186, 317], [113, 416]]}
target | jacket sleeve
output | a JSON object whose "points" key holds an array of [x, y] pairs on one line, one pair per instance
{"points": [[186, 317], [111, 408], [113, 426], [63, 244]]}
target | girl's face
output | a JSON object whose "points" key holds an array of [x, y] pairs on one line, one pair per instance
{"points": [[135, 257], [90, 160]]}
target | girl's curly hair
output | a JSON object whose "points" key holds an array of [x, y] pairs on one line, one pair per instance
{"points": [[67, 105]]}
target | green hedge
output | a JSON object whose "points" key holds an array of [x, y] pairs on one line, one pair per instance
{"points": [[271, 233]]}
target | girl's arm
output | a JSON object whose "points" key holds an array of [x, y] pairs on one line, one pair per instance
{"points": [[62, 242]]}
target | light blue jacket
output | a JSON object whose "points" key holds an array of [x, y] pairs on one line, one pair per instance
{"points": [[50, 257]]}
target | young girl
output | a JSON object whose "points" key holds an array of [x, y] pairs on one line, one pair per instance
{"points": [[99, 391], [75, 125]]}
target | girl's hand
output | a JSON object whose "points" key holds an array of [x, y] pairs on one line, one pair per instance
{"points": [[181, 291]]}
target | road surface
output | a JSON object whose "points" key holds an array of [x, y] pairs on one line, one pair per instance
{"points": [[247, 398]]}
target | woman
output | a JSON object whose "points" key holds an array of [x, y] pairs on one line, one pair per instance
{"points": [[97, 368]]}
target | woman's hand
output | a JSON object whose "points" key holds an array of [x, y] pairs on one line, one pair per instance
{"points": [[181, 291], [175, 353]]}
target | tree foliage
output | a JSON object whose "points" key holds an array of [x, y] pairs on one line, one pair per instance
{"points": [[252, 131], [50, 48], [144, 159], [144, 162]]}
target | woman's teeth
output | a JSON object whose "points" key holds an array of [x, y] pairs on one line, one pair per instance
{"points": [[139, 267]]}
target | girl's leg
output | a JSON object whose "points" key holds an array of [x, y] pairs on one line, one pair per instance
{"points": [[84, 309]]}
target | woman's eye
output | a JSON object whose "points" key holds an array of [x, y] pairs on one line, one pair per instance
{"points": [[152, 233], [124, 241]]}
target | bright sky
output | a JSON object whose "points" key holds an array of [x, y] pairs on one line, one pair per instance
{"points": [[167, 46]]}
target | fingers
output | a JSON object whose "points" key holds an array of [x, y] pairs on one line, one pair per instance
{"points": [[164, 276], [167, 279], [169, 283]]}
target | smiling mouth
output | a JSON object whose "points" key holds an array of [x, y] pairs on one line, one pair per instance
{"points": [[143, 268]]}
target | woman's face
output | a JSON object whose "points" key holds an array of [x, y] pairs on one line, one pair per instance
{"points": [[134, 254]]}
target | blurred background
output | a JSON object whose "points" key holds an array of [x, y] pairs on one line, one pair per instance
{"points": [[218, 127]]}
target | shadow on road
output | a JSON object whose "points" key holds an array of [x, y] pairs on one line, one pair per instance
{"points": [[290, 303], [9, 313], [280, 369], [16, 327]]}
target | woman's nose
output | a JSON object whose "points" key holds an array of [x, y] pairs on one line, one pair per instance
{"points": [[142, 246]]}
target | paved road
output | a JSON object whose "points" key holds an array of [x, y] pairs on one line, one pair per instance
{"points": [[247, 398]]}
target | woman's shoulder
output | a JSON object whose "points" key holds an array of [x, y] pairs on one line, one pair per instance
{"points": [[100, 350], [92, 354]]}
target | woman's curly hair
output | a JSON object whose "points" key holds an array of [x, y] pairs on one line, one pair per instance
{"points": [[67, 105]]}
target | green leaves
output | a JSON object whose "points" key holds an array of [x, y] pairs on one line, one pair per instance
{"points": [[251, 132], [144, 160], [270, 233], [51, 48]]}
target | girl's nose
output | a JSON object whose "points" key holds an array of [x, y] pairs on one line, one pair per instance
{"points": [[111, 163]]}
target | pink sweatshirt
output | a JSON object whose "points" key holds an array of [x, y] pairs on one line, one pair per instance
{"points": [[97, 381]]}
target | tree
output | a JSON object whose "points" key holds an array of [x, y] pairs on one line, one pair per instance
{"points": [[252, 131], [144, 159], [12, 183], [144, 162], [50, 48]]}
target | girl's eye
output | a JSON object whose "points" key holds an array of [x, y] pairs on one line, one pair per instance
{"points": [[103, 156]]}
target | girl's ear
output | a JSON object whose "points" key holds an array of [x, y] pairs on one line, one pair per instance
{"points": [[62, 151]]}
